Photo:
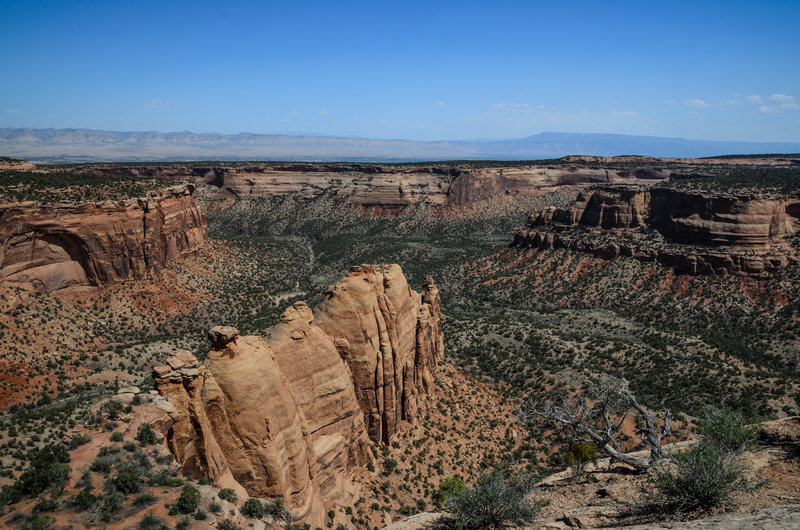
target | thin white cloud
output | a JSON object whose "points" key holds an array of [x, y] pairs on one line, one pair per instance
{"points": [[754, 98], [439, 104], [768, 110], [512, 107], [323, 112], [696, 103], [13, 111], [781, 98], [791, 106], [625, 113], [154, 104], [670, 101]]}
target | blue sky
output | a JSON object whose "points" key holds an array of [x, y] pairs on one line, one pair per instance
{"points": [[417, 70]]}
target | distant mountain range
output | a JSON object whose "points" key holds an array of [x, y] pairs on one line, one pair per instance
{"points": [[86, 145]]}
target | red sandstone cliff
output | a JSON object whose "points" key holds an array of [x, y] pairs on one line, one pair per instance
{"points": [[284, 415], [54, 247], [746, 230]]}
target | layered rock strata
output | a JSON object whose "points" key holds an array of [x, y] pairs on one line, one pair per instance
{"points": [[722, 219], [746, 231], [55, 247], [284, 415]]}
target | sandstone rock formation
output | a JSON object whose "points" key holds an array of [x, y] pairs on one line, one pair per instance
{"points": [[603, 208], [389, 336], [722, 219], [382, 189], [284, 415], [746, 229], [54, 247]]}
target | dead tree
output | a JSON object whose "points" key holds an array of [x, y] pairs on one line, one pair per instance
{"points": [[596, 418]]}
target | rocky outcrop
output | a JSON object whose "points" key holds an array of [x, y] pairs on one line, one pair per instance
{"points": [[721, 219], [746, 230], [603, 208], [284, 415], [60, 246], [390, 337]]}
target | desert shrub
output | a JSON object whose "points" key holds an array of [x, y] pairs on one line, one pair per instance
{"points": [[78, 440], [227, 494], [144, 499], [127, 481], [253, 508], [83, 500], [215, 507], [205, 481], [183, 524], [10, 495], [579, 455], [701, 477], [45, 505], [200, 515], [116, 436], [727, 429], [48, 469], [112, 504], [113, 408], [150, 522], [494, 502], [227, 524], [447, 487], [37, 522], [146, 435], [278, 510], [102, 464], [163, 478], [187, 502]]}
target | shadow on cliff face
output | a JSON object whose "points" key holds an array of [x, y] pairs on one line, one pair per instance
{"points": [[47, 262]]}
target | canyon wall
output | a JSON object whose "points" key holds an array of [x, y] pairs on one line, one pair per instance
{"points": [[387, 188], [290, 414], [747, 231], [52, 247], [722, 219]]}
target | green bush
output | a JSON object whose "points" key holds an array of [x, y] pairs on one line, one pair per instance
{"points": [[150, 522], [701, 477], [146, 435], [48, 469], [727, 429], [494, 502], [579, 455], [227, 524], [78, 440], [253, 508], [447, 488], [83, 500], [116, 436], [128, 481], [45, 505], [227, 494], [144, 499], [102, 464], [37, 522], [187, 502]]}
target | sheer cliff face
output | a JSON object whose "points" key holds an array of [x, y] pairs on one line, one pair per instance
{"points": [[284, 415], [54, 247], [617, 208], [746, 231], [390, 337], [722, 220]]}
